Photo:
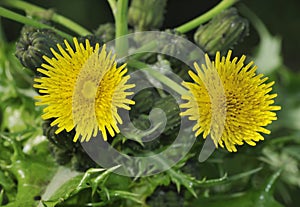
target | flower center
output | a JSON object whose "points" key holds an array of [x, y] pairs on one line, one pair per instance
{"points": [[89, 90]]}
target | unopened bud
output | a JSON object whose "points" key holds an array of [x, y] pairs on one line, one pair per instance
{"points": [[106, 32], [34, 44], [222, 32], [146, 14]]}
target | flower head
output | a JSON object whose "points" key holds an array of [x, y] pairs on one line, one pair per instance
{"points": [[229, 102], [83, 89]]}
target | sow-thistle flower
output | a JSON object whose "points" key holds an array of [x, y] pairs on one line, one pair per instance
{"points": [[229, 102], [83, 89]]}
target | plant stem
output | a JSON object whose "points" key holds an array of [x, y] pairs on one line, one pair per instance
{"points": [[113, 6], [19, 18], [121, 27], [193, 23], [269, 184], [256, 22], [224, 4], [31, 9], [157, 75]]}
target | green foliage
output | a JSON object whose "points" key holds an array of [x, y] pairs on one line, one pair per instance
{"points": [[269, 46], [260, 197], [51, 170], [32, 171], [64, 150]]}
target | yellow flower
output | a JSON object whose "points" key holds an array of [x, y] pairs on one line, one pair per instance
{"points": [[83, 89], [229, 102]]}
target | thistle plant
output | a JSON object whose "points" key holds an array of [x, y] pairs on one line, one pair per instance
{"points": [[117, 115]]}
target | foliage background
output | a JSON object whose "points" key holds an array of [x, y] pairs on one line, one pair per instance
{"points": [[281, 18]]}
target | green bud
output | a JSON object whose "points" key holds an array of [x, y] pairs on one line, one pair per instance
{"points": [[63, 140], [146, 14], [222, 32], [174, 47], [64, 150], [81, 162], [61, 156], [27, 29], [34, 44], [106, 32]]}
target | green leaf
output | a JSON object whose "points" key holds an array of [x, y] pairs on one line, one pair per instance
{"points": [[262, 197], [268, 54], [68, 189], [181, 179], [1, 196], [278, 159], [225, 179], [7, 185], [71, 186], [91, 179], [293, 151], [32, 172]]}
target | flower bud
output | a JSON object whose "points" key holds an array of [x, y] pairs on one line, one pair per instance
{"points": [[34, 44], [106, 32], [146, 14], [174, 46], [62, 140], [64, 150], [222, 32]]}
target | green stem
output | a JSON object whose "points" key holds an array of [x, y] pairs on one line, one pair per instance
{"points": [[256, 22], [224, 4], [191, 24], [270, 183], [31, 9], [121, 27], [113, 6], [157, 75], [19, 18]]}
